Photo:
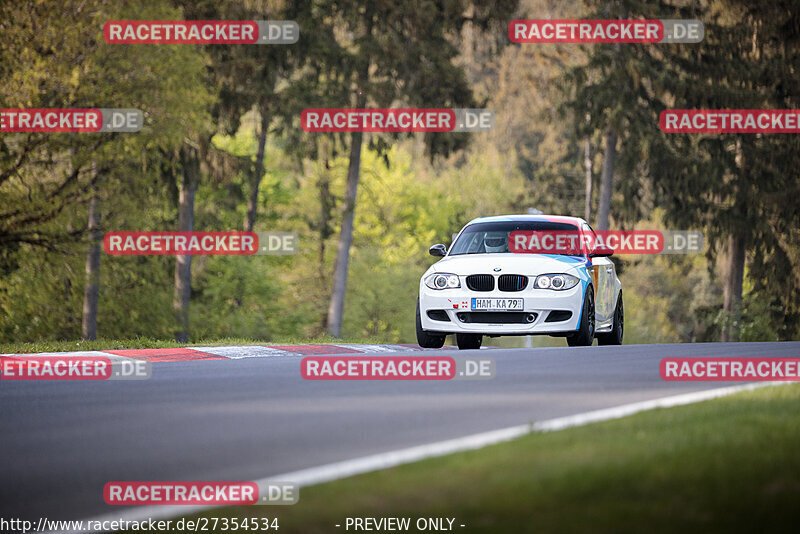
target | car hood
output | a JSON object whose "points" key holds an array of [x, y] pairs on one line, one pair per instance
{"points": [[527, 264]]}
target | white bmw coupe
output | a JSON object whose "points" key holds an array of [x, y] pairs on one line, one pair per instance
{"points": [[483, 287]]}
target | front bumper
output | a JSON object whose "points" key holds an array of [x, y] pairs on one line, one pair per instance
{"points": [[455, 303]]}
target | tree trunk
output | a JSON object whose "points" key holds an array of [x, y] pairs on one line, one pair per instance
{"points": [[607, 180], [92, 288], [734, 278], [587, 161], [327, 203], [336, 308], [183, 263], [255, 178], [734, 268]]}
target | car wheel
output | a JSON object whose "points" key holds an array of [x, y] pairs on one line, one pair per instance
{"points": [[425, 339], [585, 335], [469, 341], [615, 336]]}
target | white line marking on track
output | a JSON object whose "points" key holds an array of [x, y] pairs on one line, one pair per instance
{"points": [[245, 351], [376, 348], [385, 460]]}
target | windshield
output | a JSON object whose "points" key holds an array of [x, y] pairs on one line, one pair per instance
{"points": [[492, 237]]}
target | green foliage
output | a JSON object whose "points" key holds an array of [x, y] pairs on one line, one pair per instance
{"points": [[664, 296], [236, 296], [56, 57]]}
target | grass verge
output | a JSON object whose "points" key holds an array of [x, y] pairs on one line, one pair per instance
{"points": [[151, 343], [725, 465]]}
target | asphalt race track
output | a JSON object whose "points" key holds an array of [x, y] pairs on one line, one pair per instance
{"points": [[244, 419]]}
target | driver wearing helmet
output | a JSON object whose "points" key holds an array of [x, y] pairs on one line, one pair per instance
{"points": [[496, 242]]}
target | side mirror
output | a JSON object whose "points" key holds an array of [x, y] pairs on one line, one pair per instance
{"points": [[601, 251], [438, 250]]}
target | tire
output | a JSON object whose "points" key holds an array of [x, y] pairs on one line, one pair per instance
{"points": [[425, 339], [615, 336], [585, 335], [469, 341]]}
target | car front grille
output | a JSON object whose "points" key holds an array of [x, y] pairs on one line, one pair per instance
{"points": [[480, 282], [497, 317], [512, 282]]}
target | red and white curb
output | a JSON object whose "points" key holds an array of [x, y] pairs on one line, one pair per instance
{"points": [[186, 354]]}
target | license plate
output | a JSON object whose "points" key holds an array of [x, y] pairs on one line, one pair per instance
{"points": [[497, 304]]}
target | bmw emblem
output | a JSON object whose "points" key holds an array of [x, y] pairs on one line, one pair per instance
{"points": [[497, 269]]}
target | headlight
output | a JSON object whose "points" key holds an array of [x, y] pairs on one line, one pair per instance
{"points": [[559, 282], [442, 281]]}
